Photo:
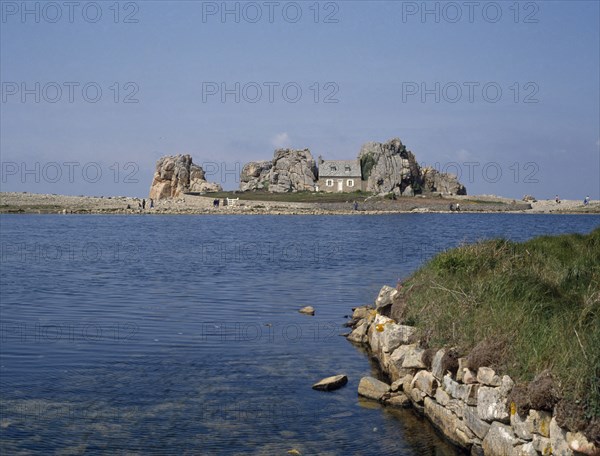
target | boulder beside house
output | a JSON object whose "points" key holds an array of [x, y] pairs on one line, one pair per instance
{"points": [[380, 168]]}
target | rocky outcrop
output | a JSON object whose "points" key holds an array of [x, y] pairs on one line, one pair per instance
{"points": [[471, 407], [289, 171], [176, 175], [256, 176], [389, 167], [434, 181], [386, 167]]}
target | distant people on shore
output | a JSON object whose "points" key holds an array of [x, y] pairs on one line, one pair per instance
{"points": [[144, 204], [451, 207], [151, 203], [216, 202], [586, 200], [557, 199], [457, 207], [355, 206]]}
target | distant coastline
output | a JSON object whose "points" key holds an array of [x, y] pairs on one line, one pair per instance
{"points": [[250, 203]]}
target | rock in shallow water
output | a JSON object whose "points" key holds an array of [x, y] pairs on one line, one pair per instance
{"points": [[308, 310], [372, 388], [331, 383], [398, 400]]}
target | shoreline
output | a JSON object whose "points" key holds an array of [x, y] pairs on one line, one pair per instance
{"points": [[33, 203], [471, 407]]}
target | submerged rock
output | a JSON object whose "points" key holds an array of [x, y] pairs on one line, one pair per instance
{"points": [[331, 383], [399, 400]]}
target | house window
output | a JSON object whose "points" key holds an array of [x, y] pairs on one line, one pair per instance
{"points": [[350, 182], [333, 168], [329, 182], [347, 169]]}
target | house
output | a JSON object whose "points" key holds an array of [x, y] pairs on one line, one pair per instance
{"points": [[339, 176]]}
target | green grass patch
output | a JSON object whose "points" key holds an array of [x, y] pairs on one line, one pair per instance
{"points": [[537, 302]]}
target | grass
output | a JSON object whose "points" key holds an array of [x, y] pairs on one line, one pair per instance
{"points": [[50, 208], [537, 302]]}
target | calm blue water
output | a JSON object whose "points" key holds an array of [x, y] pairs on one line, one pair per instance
{"points": [[180, 334]]}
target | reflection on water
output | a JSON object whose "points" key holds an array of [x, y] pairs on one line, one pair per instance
{"points": [[180, 335]]}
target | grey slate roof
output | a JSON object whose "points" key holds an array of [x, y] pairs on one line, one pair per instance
{"points": [[339, 168]]}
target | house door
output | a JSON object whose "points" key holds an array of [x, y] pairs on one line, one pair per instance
{"points": [[340, 185]]}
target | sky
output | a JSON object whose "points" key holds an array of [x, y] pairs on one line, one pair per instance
{"points": [[505, 94]]}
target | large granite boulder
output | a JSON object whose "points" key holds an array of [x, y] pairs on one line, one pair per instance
{"points": [[256, 176], [176, 175], [289, 171], [434, 181], [386, 167], [389, 167]]}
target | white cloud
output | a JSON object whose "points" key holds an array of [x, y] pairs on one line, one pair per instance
{"points": [[463, 155], [281, 140]]}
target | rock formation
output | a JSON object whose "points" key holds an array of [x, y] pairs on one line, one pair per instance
{"points": [[176, 175], [386, 167], [255, 175], [434, 181], [289, 171], [389, 167]]}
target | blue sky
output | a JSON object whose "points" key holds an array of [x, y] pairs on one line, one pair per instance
{"points": [[540, 135]]}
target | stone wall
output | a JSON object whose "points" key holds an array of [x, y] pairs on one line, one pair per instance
{"points": [[471, 408]]}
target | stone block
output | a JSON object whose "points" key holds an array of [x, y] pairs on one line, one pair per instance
{"points": [[500, 440], [472, 420], [413, 358], [426, 382], [447, 423], [463, 363], [558, 440], [521, 426], [492, 404], [539, 421], [487, 376]]}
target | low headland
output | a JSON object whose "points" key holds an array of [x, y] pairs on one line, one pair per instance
{"points": [[298, 203], [497, 344], [384, 178]]}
